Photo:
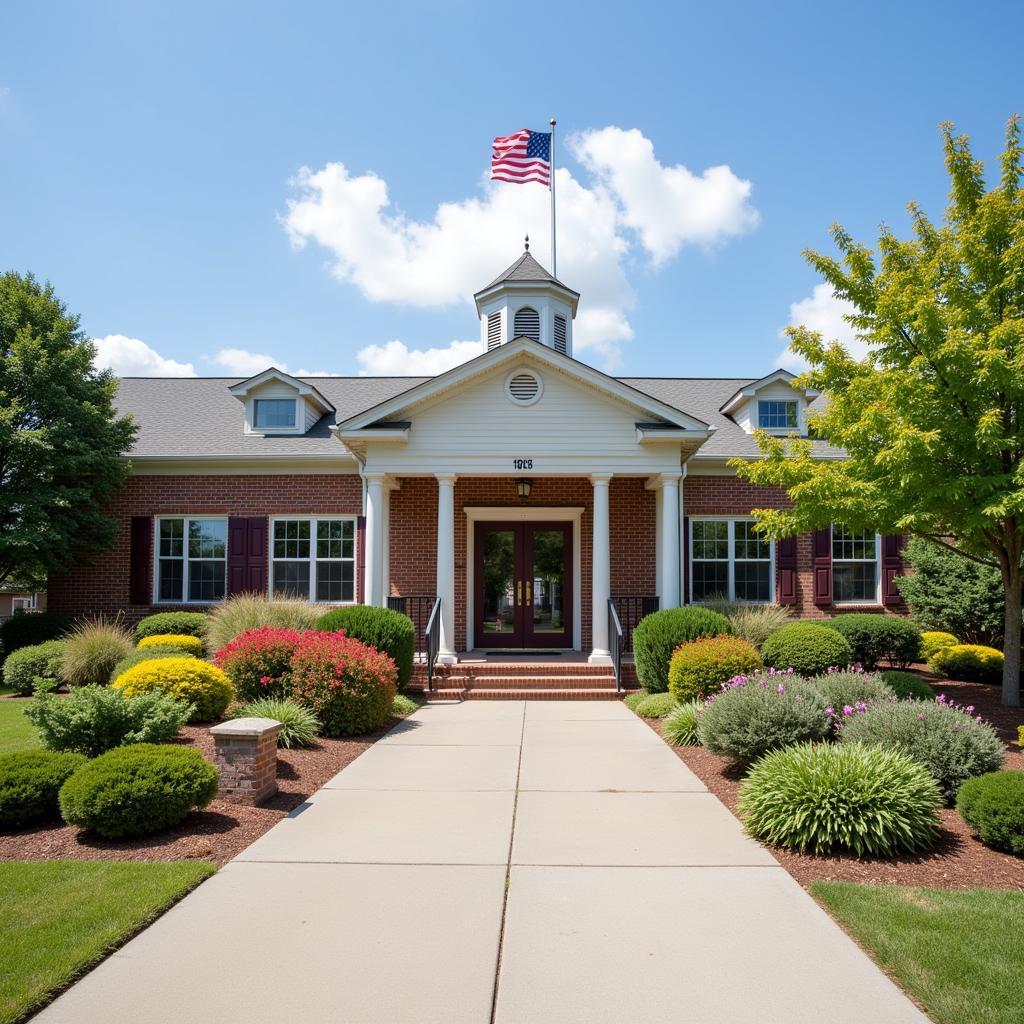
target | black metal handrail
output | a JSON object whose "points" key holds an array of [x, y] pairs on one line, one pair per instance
{"points": [[433, 634], [631, 608], [615, 642], [416, 607]]}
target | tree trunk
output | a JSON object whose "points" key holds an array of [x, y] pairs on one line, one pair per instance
{"points": [[1012, 634]]}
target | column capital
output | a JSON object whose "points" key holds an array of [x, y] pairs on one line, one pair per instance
{"points": [[374, 477], [670, 478], [446, 479], [597, 479]]}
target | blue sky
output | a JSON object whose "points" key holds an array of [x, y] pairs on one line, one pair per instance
{"points": [[151, 162]]}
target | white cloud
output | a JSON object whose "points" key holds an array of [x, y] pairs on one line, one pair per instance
{"points": [[822, 311], [240, 362], [668, 207], [129, 357], [394, 359], [437, 262]]}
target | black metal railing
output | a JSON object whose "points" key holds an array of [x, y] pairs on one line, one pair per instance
{"points": [[416, 607], [631, 609], [615, 641], [433, 633]]}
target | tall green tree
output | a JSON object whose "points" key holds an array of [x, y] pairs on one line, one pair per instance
{"points": [[61, 441], [933, 416]]}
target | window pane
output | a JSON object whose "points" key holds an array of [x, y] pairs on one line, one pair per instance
{"points": [[710, 579], [750, 544], [171, 577], [710, 538], [854, 581], [291, 579], [776, 415], [335, 581], [274, 412], [172, 533], [848, 545], [335, 538], [291, 538], [753, 581], [205, 581], [207, 538]]}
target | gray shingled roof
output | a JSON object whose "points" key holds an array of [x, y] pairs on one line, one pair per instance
{"points": [[196, 417], [526, 268]]}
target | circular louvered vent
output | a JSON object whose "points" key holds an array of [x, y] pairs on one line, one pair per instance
{"points": [[523, 387]]}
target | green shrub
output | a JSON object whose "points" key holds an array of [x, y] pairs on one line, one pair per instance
{"points": [[699, 667], [243, 612], [679, 727], [754, 715], [93, 720], [968, 661], [877, 638], [91, 650], [189, 644], [299, 726], [27, 629], [943, 737], [403, 706], [147, 654], [188, 680], [29, 783], [934, 640], [175, 623], [753, 622], [808, 648], [993, 805], [906, 684], [38, 665], [850, 688], [137, 790], [656, 705], [635, 698], [392, 633], [657, 635], [828, 799]]}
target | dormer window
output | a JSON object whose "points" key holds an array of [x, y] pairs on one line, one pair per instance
{"points": [[274, 413], [776, 415]]}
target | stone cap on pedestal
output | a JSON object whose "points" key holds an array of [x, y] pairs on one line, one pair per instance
{"points": [[247, 728]]}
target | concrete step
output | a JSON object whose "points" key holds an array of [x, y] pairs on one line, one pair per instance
{"points": [[532, 694]]}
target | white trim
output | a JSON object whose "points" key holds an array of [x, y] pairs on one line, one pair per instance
{"points": [[186, 517], [524, 514], [313, 519], [730, 561]]}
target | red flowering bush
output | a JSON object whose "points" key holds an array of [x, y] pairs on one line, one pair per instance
{"points": [[346, 684], [258, 662]]}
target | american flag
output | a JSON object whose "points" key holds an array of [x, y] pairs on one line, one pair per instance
{"points": [[524, 156]]}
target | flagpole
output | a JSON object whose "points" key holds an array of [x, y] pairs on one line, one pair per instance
{"points": [[554, 252]]}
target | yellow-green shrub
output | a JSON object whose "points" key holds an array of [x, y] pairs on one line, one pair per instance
{"points": [[973, 662], [934, 640], [699, 668], [189, 680], [189, 644]]}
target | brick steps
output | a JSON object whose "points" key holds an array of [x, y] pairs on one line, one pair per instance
{"points": [[513, 680]]}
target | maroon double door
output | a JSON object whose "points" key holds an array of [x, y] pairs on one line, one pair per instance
{"points": [[523, 585]]}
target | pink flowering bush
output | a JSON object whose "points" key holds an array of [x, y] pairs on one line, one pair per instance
{"points": [[849, 692], [258, 662], [346, 684]]}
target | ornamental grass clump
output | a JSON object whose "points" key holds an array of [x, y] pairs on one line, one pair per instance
{"points": [[828, 799], [188, 680], [656, 705], [808, 648], [679, 727], [700, 667], [753, 622], [754, 714], [952, 742], [29, 783], [933, 640], [258, 662], [34, 669], [878, 638], [657, 635], [299, 726], [92, 649], [993, 805], [242, 612], [391, 632], [971, 662], [175, 623], [189, 644]]}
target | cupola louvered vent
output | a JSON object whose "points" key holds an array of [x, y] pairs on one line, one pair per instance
{"points": [[527, 323], [523, 387], [493, 330], [560, 333]]}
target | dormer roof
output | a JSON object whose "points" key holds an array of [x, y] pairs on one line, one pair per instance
{"points": [[748, 391], [243, 388]]}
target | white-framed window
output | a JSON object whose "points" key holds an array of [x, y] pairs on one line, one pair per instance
{"points": [[730, 561], [855, 575], [274, 413], [313, 558], [191, 559], [776, 415]]}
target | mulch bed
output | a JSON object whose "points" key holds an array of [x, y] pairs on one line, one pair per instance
{"points": [[217, 833], [957, 861]]}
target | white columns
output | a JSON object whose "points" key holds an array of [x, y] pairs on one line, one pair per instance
{"points": [[373, 578], [601, 580], [446, 564], [668, 556]]}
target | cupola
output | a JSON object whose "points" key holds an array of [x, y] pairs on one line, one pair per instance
{"points": [[527, 301]]}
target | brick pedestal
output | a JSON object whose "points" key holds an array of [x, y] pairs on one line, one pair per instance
{"points": [[245, 752]]}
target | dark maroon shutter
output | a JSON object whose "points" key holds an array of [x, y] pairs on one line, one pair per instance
{"points": [[821, 549], [247, 555], [140, 559], [892, 566], [785, 558], [360, 555], [685, 596]]}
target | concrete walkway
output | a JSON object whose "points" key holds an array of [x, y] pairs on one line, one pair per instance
{"points": [[632, 897]]}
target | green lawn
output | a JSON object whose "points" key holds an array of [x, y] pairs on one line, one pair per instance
{"points": [[958, 953], [59, 917], [16, 731]]}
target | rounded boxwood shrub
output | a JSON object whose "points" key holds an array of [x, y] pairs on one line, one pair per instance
{"points": [[188, 680], [993, 805], [94, 719], [189, 644], [877, 638], [299, 726], [657, 635], [391, 632], [91, 650], [679, 727], [828, 799], [808, 648], [348, 685], [699, 667], [135, 791], [634, 698], [906, 684], [948, 740], [147, 654], [403, 706], [38, 665], [933, 640], [29, 783], [26, 629], [656, 705], [258, 662], [174, 623], [755, 714], [972, 662]]}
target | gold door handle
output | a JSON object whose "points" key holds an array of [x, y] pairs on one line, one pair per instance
{"points": [[519, 592], [529, 592]]}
